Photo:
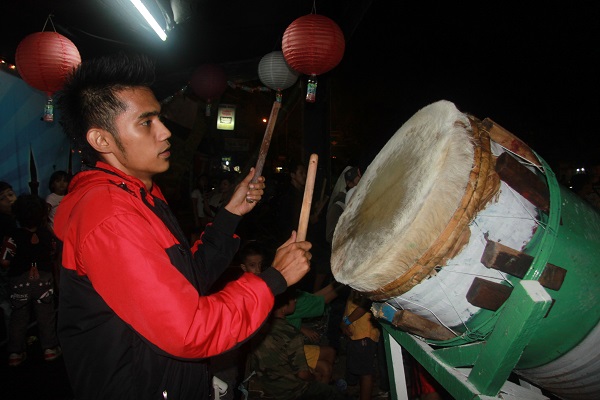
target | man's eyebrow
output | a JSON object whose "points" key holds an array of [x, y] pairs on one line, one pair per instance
{"points": [[148, 114]]}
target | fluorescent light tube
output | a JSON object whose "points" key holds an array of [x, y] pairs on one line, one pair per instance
{"points": [[150, 19]]}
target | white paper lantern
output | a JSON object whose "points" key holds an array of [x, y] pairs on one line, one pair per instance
{"points": [[274, 72]]}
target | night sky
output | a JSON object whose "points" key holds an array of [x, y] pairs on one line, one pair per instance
{"points": [[535, 71]]}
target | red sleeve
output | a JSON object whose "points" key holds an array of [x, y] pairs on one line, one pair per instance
{"points": [[136, 279]]}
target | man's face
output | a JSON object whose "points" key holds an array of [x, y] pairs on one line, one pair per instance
{"points": [[353, 182], [7, 198], [299, 176], [143, 145], [253, 263], [224, 186]]}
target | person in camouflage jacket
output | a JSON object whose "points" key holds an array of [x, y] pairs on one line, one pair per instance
{"points": [[279, 361]]}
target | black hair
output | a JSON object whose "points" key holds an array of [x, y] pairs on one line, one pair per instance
{"points": [[89, 99], [293, 165], [58, 176], [252, 248], [30, 210], [4, 186], [229, 177], [284, 298]]}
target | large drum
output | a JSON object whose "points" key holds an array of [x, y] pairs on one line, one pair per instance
{"points": [[450, 215]]}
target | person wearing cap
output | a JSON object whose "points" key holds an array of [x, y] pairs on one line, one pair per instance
{"points": [[351, 176]]}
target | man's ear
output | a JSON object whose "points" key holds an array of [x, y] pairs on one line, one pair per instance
{"points": [[243, 266], [99, 139]]}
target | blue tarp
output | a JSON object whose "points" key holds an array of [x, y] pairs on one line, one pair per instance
{"points": [[22, 131]]}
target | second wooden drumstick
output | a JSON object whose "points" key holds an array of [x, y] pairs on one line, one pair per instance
{"points": [[309, 188]]}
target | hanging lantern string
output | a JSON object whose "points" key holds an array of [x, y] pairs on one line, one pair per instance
{"points": [[314, 7], [170, 98], [231, 84], [248, 89], [46, 23]]}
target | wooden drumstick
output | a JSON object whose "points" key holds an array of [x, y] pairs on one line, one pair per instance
{"points": [[309, 187], [264, 147]]}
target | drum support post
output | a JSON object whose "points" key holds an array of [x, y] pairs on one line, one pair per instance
{"points": [[480, 370]]}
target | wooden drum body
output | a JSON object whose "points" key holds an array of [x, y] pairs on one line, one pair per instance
{"points": [[450, 216]]}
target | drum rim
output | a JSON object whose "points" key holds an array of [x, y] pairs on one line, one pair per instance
{"points": [[482, 185]]}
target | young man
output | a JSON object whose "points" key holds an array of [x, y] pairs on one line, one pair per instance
{"points": [[134, 318]]}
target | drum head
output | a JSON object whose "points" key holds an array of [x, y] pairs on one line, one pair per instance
{"points": [[405, 199]]}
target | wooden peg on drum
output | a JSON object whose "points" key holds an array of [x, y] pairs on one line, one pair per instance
{"points": [[307, 199], [264, 147]]}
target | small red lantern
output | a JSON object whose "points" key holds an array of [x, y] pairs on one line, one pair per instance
{"points": [[313, 44], [208, 81], [44, 60]]}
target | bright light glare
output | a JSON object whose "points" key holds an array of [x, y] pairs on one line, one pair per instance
{"points": [[150, 19]]}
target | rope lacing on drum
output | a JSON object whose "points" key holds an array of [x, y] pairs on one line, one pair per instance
{"points": [[399, 306], [504, 216], [501, 278], [533, 218], [524, 161]]}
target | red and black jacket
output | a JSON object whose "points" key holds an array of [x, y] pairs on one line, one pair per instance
{"points": [[134, 319]]}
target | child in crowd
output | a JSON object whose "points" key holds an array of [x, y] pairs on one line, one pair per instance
{"points": [[279, 361], [308, 305], [29, 262], [220, 196], [58, 185], [361, 349], [199, 197]]}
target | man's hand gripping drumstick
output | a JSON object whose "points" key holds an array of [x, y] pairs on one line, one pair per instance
{"points": [[292, 259], [247, 194], [294, 267], [252, 187]]}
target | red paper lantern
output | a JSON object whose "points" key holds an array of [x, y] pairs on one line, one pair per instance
{"points": [[208, 81], [313, 44], [44, 59]]}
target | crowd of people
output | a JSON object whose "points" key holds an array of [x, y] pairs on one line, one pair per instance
{"points": [[29, 259]]}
